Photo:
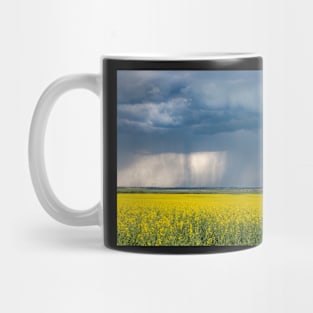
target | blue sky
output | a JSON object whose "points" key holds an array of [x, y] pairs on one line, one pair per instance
{"points": [[189, 128]]}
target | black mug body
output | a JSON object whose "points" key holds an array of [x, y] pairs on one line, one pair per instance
{"points": [[182, 154]]}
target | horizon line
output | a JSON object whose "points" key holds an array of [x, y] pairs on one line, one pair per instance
{"points": [[201, 187]]}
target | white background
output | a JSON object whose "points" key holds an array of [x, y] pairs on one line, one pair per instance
{"points": [[49, 267]]}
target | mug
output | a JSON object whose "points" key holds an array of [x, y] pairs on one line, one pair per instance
{"points": [[181, 153]]}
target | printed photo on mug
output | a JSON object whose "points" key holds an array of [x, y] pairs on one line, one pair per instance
{"points": [[189, 157]]}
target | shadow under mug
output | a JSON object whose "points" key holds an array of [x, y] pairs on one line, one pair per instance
{"points": [[181, 153]]}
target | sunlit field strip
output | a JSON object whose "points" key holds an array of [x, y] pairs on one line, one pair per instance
{"points": [[149, 219]]}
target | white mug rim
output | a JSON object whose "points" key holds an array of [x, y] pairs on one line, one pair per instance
{"points": [[182, 57]]}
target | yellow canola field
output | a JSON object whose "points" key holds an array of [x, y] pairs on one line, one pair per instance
{"points": [[155, 219]]}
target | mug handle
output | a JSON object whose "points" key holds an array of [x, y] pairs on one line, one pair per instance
{"points": [[53, 206]]}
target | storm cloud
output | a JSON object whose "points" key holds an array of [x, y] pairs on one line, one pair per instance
{"points": [[165, 116]]}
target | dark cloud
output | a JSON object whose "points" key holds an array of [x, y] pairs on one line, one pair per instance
{"points": [[189, 112], [201, 102]]}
